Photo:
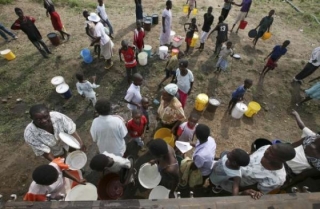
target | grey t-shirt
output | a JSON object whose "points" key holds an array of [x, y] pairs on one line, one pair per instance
{"points": [[227, 5]]}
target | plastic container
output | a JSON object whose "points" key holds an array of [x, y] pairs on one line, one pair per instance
{"points": [[166, 135], [174, 52], [252, 33], [172, 35], [64, 91], [8, 54], [149, 18], [54, 39], [177, 41], [266, 36], [149, 176], [147, 25], [109, 187], [238, 110], [195, 11], [158, 193], [148, 49], [243, 24], [194, 40], [201, 102], [213, 105], [163, 52], [253, 108], [57, 80], [186, 9], [143, 58], [86, 55], [155, 19]]}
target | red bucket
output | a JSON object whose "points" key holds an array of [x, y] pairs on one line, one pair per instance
{"points": [[243, 24], [110, 187]]}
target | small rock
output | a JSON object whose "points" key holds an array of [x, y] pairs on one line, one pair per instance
{"points": [[264, 103], [266, 109], [4, 100], [19, 100], [9, 97], [26, 112]]}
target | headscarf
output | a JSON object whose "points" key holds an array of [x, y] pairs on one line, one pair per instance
{"points": [[171, 89]]}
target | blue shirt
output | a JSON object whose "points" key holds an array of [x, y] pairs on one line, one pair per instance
{"points": [[277, 52], [203, 156], [246, 4], [239, 92]]}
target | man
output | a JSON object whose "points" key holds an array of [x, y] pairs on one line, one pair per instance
{"points": [[101, 10], [26, 24], [206, 27], [305, 130], [245, 7], [265, 171], [42, 134], [310, 67], [133, 96], [263, 26], [4, 31], [222, 36], [108, 131]]}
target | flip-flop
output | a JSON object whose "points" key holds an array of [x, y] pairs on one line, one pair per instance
{"points": [[108, 67]]}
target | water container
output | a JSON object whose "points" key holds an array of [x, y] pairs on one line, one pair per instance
{"points": [[177, 41], [166, 135], [243, 24], [201, 102], [239, 109], [8, 54], [163, 52], [172, 34], [149, 18], [86, 55], [147, 49], [213, 105], [195, 11], [194, 40], [147, 25], [155, 19], [253, 108], [266, 36], [158, 193], [174, 52], [143, 58], [57, 80], [186, 9], [64, 90], [54, 39]]}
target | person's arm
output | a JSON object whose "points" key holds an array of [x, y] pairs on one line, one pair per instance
{"points": [[128, 99], [163, 24], [196, 29], [314, 79], [313, 172], [82, 146], [270, 26], [298, 119], [120, 55], [184, 26], [49, 156], [252, 193], [176, 124], [235, 186], [195, 4], [248, 9], [88, 33], [269, 55], [298, 143], [95, 40], [191, 84], [259, 24], [216, 28], [79, 89], [68, 175], [15, 25], [187, 1]]}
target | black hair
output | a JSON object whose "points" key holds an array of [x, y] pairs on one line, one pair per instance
{"points": [[184, 63], [17, 9], [99, 162], [241, 157], [285, 152], [202, 132], [45, 175], [210, 8], [248, 81], [37, 108], [221, 18], [135, 112], [85, 12], [194, 115], [229, 42], [103, 106], [80, 76], [168, 2], [158, 147], [193, 19], [287, 42]]}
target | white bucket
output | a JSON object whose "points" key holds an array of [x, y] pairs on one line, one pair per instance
{"points": [[143, 58], [163, 52], [149, 176], [57, 80], [239, 110], [172, 34], [177, 41], [159, 192]]}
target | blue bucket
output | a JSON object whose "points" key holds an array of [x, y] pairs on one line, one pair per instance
{"points": [[86, 55]]}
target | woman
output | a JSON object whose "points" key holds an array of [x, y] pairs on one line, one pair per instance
{"points": [[312, 93], [170, 111], [166, 24], [90, 31], [55, 18]]}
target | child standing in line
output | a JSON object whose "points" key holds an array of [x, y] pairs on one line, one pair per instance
{"points": [[192, 4], [184, 81], [186, 130], [136, 126], [128, 53], [189, 33], [144, 109], [85, 88], [138, 37], [238, 94], [208, 20], [225, 52]]}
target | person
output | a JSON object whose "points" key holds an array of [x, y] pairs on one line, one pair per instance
{"points": [[53, 179], [106, 43], [101, 10], [138, 37], [238, 94], [226, 8], [305, 130], [139, 10], [265, 172], [245, 8], [186, 130], [26, 24], [310, 67], [274, 56], [166, 24], [189, 33], [55, 18], [144, 108], [227, 168], [42, 134], [109, 162], [192, 4], [108, 131], [133, 96], [184, 80], [90, 31], [170, 111], [167, 164], [136, 126], [85, 88], [204, 152], [171, 67], [225, 52], [4, 31], [206, 27], [128, 53], [263, 26], [311, 93], [222, 36]]}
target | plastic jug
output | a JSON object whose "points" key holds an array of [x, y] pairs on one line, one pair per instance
{"points": [[194, 40], [143, 58], [243, 24], [86, 55], [163, 52], [253, 108], [201, 102], [195, 11], [239, 110], [8, 54], [186, 9]]}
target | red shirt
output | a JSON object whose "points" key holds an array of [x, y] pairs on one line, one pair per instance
{"points": [[138, 38], [129, 58], [28, 27], [136, 130]]}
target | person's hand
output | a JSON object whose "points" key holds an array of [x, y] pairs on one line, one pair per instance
{"points": [[189, 92], [294, 113], [171, 195], [253, 194], [152, 162], [83, 147], [94, 77], [138, 106], [192, 144], [91, 44], [164, 30], [82, 181]]}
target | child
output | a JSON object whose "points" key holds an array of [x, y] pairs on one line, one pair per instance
{"points": [[192, 4], [226, 8], [208, 20], [228, 168], [184, 80], [101, 10], [171, 67], [277, 52], [138, 37], [186, 130], [109, 162], [225, 51], [144, 109], [189, 33], [222, 36], [85, 88], [263, 26], [136, 126], [238, 94], [128, 53]]}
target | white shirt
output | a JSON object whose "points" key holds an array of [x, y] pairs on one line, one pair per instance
{"points": [[225, 52], [307, 132], [183, 82], [119, 162], [133, 95], [42, 141], [109, 132], [315, 56], [101, 10], [100, 32], [86, 89], [187, 133], [299, 162]]}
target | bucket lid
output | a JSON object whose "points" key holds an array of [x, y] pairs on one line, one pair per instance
{"points": [[69, 140], [242, 106], [57, 80], [147, 47], [176, 38], [76, 160], [172, 33], [81, 192], [142, 55], [154, 15], [62, 88], [159, 192], [149, 176], [214, 102], [147, 22], [51, 35], [6, 51]]}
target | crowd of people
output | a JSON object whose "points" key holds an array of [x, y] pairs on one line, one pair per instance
{"points": [[260, 172]]}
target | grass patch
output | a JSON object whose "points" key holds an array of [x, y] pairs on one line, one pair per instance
{"points": [[6, 1], [79, 4]]}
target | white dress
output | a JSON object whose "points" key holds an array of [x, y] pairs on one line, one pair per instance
{"points": [[165, 37]]}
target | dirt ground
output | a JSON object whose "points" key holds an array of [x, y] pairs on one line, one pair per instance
{"points": [[28, 77]]}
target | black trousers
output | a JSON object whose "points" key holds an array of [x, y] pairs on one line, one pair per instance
{"points": [[225, 12], [308, 69], [42, 47]]}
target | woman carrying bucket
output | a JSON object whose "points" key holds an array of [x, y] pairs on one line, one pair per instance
{"points": [[166, 24]]}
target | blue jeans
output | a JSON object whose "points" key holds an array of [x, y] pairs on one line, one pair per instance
{"points": [[4, 30], [109, 26]]}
